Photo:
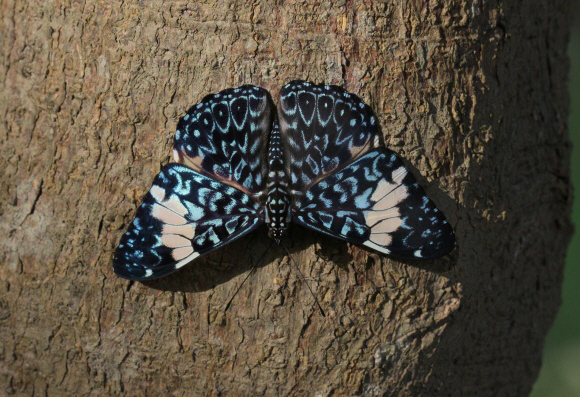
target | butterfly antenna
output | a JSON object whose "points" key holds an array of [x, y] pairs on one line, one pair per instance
{"points": [[248, 275], [304, 278]]}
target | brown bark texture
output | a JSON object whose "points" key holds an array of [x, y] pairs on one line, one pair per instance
{"points": [[471, 93]]}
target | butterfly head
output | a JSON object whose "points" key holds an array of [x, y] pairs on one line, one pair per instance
{"points": [[276, 234], [277, 216]]}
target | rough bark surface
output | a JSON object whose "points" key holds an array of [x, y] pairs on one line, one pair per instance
{"points": [[471, 93]]}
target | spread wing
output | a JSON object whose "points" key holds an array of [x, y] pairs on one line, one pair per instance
{"points": [[225, 137], [184, 215], [323, 128], [375, 201]]}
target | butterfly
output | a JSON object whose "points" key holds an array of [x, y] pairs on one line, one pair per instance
{"points": [[316, 162]]}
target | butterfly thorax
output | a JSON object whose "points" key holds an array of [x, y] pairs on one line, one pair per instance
{"points": [[277, 196]]}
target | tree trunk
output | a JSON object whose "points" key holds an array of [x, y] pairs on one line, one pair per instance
{"points": [[471, 93]]}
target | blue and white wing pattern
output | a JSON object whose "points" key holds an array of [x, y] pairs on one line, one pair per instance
{"points": [[213, 196], [344, 186], [322, 128], [225, 136], [376, 202], [320, 165], [185, 214]]}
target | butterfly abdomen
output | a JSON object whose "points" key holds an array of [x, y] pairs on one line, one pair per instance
{"points": [[278, 198]]}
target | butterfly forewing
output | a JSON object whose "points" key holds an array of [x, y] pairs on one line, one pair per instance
{"points": [[225, 136], [323, 128], [375, 201], [185, 214]]}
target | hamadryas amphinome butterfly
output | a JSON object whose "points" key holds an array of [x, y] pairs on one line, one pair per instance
{"points": [[317, 164]]}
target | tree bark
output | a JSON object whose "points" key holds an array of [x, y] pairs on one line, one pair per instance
{"points": [[471, 93]]}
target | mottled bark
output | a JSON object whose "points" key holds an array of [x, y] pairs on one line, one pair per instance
{"points": [[471, 93]]}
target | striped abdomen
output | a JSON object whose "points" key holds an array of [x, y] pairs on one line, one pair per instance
{"points": [[278, 198]]}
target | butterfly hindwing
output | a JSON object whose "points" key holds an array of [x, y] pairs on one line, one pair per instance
{"points": [[185, 214], [323, 128], [375, 201], [225, 137]]}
